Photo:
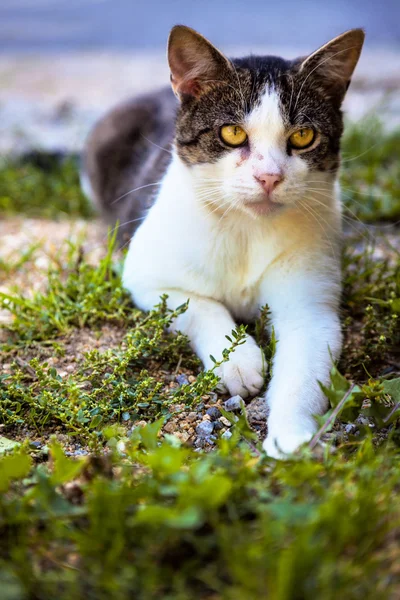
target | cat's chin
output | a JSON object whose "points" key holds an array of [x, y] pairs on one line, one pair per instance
{"points": [[263, 207]]}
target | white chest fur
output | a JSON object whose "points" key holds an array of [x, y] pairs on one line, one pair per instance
{"points": [[223, 255]]}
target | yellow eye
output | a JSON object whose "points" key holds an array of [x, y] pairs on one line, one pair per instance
{"points": [[233, 135], [302, 138]]}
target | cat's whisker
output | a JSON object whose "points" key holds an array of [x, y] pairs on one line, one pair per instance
{"points": [[125, 223], [245, 107], [156, 145], [346, 160], [135, 190], [317, 217], [346, 218]]}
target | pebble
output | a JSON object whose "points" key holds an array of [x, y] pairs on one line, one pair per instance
{"points": [[204, 429], [213, 413], [192, 416], [182, 379], [226, 435], [36, 444], [233, 403], [191, 379], [170, 427], [182, 435], [225, 422], [218, 425], [350, 428]]}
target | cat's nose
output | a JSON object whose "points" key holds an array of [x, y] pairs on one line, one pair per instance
{"points": [[269, 181]]}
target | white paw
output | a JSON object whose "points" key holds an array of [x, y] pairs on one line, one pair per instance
{"points": [[244, 372], [280, 445]]}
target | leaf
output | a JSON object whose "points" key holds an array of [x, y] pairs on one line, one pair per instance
{"points": [[95, 422], [155, 516], [14, 466], [395, 305], [149, 434], [392, 387], [65, 469], [6, 444], [337, 390]]}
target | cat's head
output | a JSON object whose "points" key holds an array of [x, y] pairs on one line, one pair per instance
{"points": [[259, 133]]}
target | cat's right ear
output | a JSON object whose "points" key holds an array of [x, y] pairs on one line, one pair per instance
{"points": [[194, 62]]}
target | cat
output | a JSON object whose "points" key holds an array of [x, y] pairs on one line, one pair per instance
{"points": [[229, 188]]}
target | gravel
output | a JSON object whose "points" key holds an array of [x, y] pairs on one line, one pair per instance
{"points": [[182, 379], [233, 403], [213, 412], [205, 429]]}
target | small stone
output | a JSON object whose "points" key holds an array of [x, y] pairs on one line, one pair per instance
{"points": [[204, 429], [350, 428], [226, 435], [192, 416], [36, 444], [191, 379], [233, 403], [206, 418], [217, 425], [182, 379], [213, 413], [170, 427], [225, 422]]}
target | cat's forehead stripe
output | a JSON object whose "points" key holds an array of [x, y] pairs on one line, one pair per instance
{"points": [[265, 121]]}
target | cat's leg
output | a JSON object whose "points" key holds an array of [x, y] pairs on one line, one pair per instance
{"points": [[206, 323], [305, 319]]}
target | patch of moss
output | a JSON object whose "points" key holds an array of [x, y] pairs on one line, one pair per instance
{"points": [[370, 172], [42, 185], [371, 311]]}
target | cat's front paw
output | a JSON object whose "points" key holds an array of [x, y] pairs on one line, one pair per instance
{"points": [[280, 445], [243, 374]]}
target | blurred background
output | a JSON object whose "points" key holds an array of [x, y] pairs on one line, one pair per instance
{"points": [[132, 25], [63, 62]]}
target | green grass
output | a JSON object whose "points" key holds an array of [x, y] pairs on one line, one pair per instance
{"points": [[160, 521], [42, 185], [145, 516], [370, 173]]}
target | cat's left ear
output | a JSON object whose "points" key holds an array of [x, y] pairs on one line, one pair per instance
{"points": [[333, 64]]}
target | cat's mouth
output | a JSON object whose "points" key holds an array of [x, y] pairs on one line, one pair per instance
{"points": [[266, 206]]}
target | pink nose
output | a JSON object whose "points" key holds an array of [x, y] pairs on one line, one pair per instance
{"points": [[269, 181]]}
